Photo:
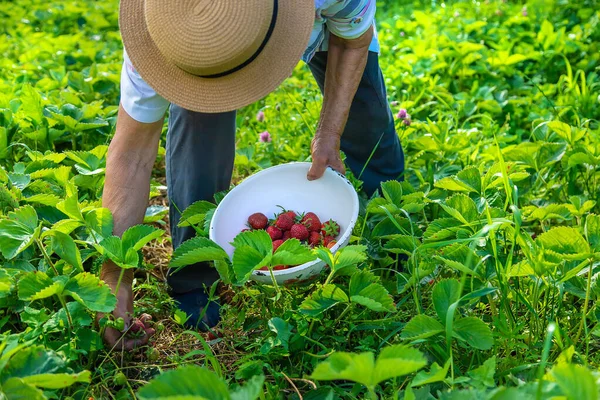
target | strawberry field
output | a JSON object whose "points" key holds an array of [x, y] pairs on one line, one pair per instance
{"points": [[476, 277]]}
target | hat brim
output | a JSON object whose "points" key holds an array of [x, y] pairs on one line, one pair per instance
{"points": [[273, 65]]}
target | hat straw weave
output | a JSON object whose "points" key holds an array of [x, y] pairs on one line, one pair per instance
{"points": [[215, 55]]}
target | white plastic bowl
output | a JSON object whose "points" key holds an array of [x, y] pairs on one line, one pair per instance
{"points": [[330, 197]]}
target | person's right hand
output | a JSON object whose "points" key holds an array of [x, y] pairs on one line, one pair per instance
{"points": [[137, 331]]}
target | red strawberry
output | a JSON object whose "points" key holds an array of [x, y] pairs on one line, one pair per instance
{"points": [[330, 228], [264, 268], [279, 267], [315, 239], [331, 244], [137, 328], [312, 222], [286, 235], [284, 222], [258, 221], [327, 240], [274, 232], [291, 214], [299, 232], [276, 245]]}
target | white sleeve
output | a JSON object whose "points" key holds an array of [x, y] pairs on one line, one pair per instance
{"points": [[356, 21], [140, 101]]}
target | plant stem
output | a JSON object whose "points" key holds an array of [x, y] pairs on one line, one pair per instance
{"points": [[585, 305], [545, 354], [46, 256], [69, 320], [343, 314], [119, 281]]}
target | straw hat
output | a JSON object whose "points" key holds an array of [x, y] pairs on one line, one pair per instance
{"points": [[215, 55]]}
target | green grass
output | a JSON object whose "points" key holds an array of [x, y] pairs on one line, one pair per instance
{"points": [[481, 267]]}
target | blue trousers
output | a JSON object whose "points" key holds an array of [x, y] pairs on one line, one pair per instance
{"points": [[201, 149]]}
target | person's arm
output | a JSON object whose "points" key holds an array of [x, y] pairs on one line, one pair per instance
{"points": [[346, 63], [130, 159]]}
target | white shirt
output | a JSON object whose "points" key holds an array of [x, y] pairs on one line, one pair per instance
{"points": [[347, 19]]}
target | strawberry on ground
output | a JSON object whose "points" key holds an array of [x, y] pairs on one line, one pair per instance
{"points": [[284, 222], [258, 221], [315, 239], [330, 228], [274, 232], [312, 222], [276, 244], [299, 232]]}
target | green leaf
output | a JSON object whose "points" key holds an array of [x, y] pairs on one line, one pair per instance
{"points": [[401, 244], [247, 259], [575, 381], [70, 205], [91, 292], [57, 381], [185, 383], [195, 214], [392, 192], [522, 268], [464, 206], [485, 373], [397, 360], [592, 231], [138, 236], [474, 332], [155, 213], [292, 252], [65, 247], [44, 199], [323, 299], [393, 361], [440, 229], [283, 330], [445, 293], [251, 390], [111, 247], [435, 374], [324, 254], [369, 294], [33, 360], [349, 256], [258, 240], [195, 250], [18, 231], [6, 283], [563, 130], [37, 285], [100, 221], [347, 366], [17, 389], [452, 184], [421, 327], [564, 242]]}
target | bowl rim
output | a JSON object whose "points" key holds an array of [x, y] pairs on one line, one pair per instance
{"points": [[345, 236]]}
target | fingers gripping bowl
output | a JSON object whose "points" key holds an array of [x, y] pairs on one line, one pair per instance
{"points": [[330, 197]]}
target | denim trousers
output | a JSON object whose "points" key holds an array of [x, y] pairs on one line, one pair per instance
{"points": [[200, 153]]}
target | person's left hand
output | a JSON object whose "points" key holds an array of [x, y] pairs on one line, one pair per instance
{"points": [[325, 149]]}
